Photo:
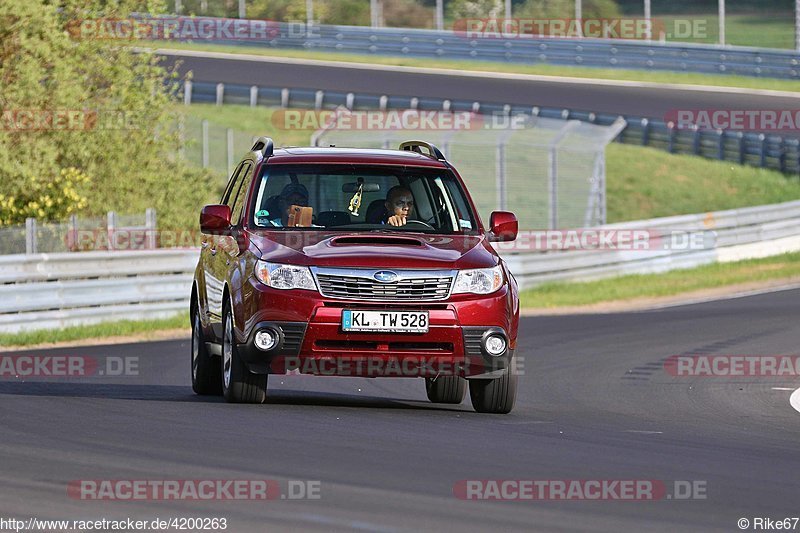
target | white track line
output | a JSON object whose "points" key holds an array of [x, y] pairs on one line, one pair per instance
{"points": [[474, 74], [794, 400]]}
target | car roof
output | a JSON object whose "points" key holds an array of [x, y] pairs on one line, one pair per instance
{"points": [[341, 155]]}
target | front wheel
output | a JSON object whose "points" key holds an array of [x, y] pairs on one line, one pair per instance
{"points": [[446, 389], [494, 395], [239, 385]]}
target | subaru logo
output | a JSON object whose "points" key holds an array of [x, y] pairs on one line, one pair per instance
{"points": [[385, 276]]}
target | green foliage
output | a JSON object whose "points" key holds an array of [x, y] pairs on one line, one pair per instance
{"points": [[350, 12], [118, 154], [562, 9], [461, 9], [407, 14], [49, 200]]}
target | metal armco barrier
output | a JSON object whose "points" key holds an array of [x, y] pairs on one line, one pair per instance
{"points": [[607, 53], [754, 149], [56, 290], [50, 291]]}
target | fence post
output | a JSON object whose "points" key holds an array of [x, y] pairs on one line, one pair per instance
{"points": [[500, 175], [253, 96], [150, 225], [73, 230], [318, 97], [284, 98], [229, 150], [204, 125], [111, 226], [721, 145], [645, 132], [220, 93], [552, 178], [763, 149], [187, 92], [31, 245]]}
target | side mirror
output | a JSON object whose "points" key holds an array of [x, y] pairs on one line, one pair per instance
{"points": [[504, 226], [215, 220]]}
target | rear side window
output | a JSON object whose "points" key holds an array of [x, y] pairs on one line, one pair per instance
{"points": [[244, 186]]}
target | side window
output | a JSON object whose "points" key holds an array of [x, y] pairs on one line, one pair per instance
{"points": [[244, 185], [233, 184]]}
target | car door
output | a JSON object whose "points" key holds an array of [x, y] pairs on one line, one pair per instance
{"points": [[213, 270], [229, 247]]}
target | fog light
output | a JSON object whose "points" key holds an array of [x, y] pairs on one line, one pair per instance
{"points": [[495, 345], [266, 339]]}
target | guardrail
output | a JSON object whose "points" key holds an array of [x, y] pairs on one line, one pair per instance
{"points": [[755, 149], [738, 234], [48, 291], [606, 53], [51, 291]]}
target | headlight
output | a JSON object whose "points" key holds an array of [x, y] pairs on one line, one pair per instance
{"points": [[479, 281], [285, 276]]}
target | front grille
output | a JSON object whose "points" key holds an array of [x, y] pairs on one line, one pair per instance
{"points": [[365, 288]]}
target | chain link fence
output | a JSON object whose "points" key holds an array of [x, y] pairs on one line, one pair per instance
{"points": [[114, 232], [550, 172]]}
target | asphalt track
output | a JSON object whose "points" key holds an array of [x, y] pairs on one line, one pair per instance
{"points": [[370, 79], [594, 403]]}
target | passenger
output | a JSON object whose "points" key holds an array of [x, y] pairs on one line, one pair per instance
{"points": [[292, 194], [399, 203]]}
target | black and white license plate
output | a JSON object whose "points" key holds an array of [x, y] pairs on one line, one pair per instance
{"points": [[385, 321]]}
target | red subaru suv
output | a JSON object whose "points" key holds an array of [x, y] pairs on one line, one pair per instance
{"points": [[353, 262]]}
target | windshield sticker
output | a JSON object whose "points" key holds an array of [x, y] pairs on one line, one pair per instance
{"points": [[464, 224]]}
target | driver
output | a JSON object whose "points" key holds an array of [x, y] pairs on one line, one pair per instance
{"points": [[399, 203]]}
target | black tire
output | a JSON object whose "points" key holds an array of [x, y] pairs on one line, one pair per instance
{"points": [[205, 368], [239, 385], [494, 395], [446, 389]]}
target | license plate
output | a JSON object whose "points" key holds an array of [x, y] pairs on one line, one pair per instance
{"points": [[385, 321]]}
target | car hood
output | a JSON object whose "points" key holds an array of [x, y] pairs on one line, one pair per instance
{"points": [[375, 249]]}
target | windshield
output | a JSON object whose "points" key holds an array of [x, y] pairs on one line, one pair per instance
{"points": [[354, 197]]}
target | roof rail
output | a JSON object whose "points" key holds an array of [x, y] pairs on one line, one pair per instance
{"points": [[264, 145], [415, 146]]}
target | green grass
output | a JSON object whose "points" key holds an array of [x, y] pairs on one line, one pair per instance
{"points": [[648, 183], [488, 66], [103, 330], [560, 294], [767, 30]]}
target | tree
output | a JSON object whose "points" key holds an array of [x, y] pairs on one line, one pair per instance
{"points": [[114, 150]]}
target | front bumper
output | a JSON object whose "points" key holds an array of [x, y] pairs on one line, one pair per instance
{"points": [[311, 340]]}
